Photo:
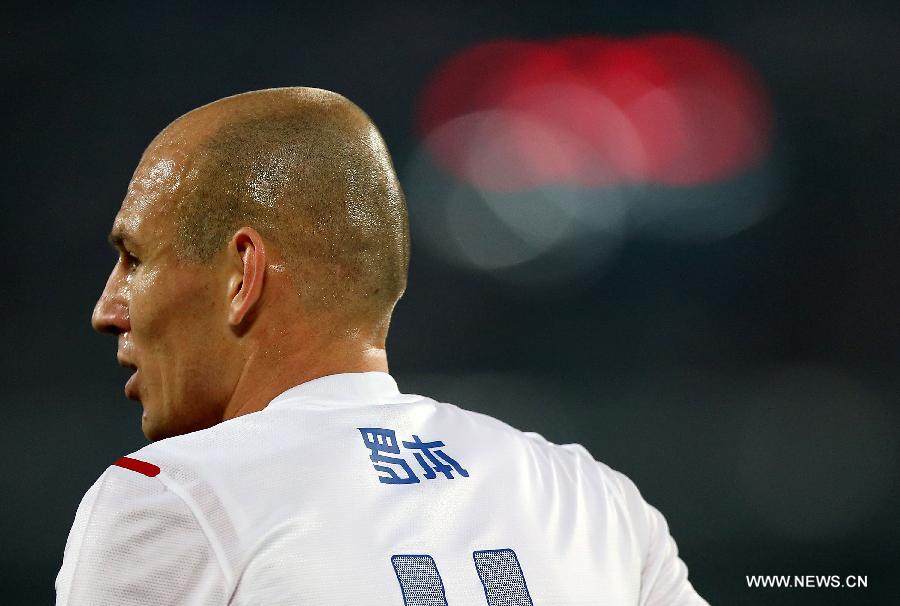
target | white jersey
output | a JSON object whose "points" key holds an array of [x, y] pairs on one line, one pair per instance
{"points": [[343, 491]]}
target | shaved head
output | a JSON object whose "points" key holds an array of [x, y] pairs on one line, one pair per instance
{"points": [[262, 243], [309, 170]]}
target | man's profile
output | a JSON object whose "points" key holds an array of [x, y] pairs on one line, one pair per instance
{"points": [[263, 244]]}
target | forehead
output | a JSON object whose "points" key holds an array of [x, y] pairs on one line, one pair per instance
{"points": [[149, 198], [164, 170], [155, 186]]}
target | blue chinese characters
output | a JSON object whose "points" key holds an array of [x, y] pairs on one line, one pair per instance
{"points": [[395, 469]]}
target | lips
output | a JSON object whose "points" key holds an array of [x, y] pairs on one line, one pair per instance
{"points": [[131, 387]]}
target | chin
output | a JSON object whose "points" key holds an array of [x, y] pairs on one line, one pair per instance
{"points": [[151, 432], [155, 431]]}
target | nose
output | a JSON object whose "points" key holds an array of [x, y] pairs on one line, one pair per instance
{"points": [[111, 310]]}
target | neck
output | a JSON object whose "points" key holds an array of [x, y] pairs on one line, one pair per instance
{"points": [[268, 372]]}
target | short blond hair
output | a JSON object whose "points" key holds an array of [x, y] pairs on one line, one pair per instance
{"points": [[309, 170]]}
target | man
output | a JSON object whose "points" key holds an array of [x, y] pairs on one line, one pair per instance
{"points": [[263, 244]]}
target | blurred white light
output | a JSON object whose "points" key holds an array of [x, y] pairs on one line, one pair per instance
{"points": [[493, 233], [535, 203], [703, 214], [541, 235]]}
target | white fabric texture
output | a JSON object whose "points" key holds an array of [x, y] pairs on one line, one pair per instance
{"points": [[298, 504]]}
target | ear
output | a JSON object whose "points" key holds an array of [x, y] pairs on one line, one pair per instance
{"points": [[248, 254]]}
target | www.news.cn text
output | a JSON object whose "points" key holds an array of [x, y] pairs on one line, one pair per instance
{"points": [[807, 581]]}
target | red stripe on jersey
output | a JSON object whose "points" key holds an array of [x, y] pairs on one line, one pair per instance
{"points": [[148, 469]]}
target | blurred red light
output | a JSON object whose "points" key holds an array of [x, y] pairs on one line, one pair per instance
{"points": [[480, 77], [590, 111], [724, 105]]}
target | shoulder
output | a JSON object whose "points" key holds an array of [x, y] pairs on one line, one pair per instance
{"points": [[577, 462], [161, 494], [620, 493], [131, 527], [188, 458], [135, 491]]}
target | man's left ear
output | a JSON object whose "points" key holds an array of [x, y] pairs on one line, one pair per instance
{"points": [[248, 254]]}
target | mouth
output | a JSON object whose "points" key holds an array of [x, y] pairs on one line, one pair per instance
{"points": [[131, 386]]}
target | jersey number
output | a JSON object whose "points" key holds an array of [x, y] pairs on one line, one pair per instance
{"points": [[498, 569]]}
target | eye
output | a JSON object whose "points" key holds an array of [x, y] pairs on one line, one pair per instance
{"points": [[129, 260]]}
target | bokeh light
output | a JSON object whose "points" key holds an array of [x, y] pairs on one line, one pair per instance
{"points": [[590, 111], [538, 159], [541, 237]]}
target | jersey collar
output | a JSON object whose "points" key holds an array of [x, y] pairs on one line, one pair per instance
{"points": [[344, 386]]}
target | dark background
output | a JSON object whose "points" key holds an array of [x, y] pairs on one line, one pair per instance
{"points": [[746, 383]]}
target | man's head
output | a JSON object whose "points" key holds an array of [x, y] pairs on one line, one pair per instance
{"points": [[263, 242]]}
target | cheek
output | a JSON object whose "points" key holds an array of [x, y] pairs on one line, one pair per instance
{"points": [[146, 295], [178, 307], [179, 326], [188, 340]]}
